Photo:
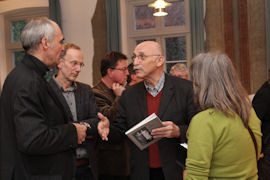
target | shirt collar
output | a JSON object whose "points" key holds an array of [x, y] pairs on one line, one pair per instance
{"points": [[38, 65], [72, 88], [157, 88]]}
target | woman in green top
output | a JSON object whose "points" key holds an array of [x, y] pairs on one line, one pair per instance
{"points": [[219, 143]]}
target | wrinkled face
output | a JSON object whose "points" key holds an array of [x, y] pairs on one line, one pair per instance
{"points": [[71, 64], [56, 47], [120, 72], [181, 74], [145, 60]]}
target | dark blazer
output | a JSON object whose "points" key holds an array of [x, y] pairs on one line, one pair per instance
{"points": [[113, 159], [261, 104], [87, 112], [176, 105], [37, 142]]}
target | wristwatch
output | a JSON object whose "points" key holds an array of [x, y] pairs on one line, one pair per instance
{"points": [[86, 124]]}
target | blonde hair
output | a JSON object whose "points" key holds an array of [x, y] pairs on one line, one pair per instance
{"points": [[216, 85], [179, 67], [68, 46]]}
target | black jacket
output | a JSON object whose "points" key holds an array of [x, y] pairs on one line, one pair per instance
{"points": [[87, 112], [37, 140], [176, 105]]}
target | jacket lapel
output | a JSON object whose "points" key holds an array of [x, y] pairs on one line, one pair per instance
{"points": [[60, 99], [142, 102], [167, 95]]}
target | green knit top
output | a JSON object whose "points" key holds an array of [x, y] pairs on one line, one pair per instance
{"points": [[220, 147]]}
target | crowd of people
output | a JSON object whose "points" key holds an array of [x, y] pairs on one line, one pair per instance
{"points": [[65, 129]]}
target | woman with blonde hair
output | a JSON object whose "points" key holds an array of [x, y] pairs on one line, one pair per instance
{"points": [[224, 139]]}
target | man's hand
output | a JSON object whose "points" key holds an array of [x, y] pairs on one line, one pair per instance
{"points": [[81, 132], [169, 130], [103, 127], [118, 89]]}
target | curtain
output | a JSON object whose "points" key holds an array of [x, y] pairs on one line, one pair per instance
{"points": [[55, 11], [113, 25], [197, 26], [268, 33]]}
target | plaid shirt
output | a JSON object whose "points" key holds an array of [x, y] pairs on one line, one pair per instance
{"points": [[154, 92]]}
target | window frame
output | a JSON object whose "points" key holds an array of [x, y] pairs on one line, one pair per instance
{"points": [[18, 15], [160, 32]]}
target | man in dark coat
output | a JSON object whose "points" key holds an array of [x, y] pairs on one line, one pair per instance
{"points": [[79, 103], [113, 159], [171, 98], [261, 104], [37, 140]]}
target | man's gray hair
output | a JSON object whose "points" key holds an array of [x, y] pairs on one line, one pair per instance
{"points": [[34, 31]]}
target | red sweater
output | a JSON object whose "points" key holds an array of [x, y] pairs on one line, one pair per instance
{"points": [[153, 107]]}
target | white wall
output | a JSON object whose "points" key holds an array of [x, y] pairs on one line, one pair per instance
{"points": [[77, 28], [5, 7]]}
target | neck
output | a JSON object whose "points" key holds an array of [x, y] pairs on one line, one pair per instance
{"points": [[40, 55], [153, 78], [63, 82], [107, 81]]}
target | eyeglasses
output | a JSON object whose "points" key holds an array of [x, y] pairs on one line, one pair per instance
{"points": [[121, 69], [75, 63], [142, 56]]}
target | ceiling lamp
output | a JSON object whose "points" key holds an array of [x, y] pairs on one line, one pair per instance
{"points": [[159, 6]]}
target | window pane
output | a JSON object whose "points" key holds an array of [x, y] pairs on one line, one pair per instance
{"points": [[176, 14], [17, 57], [17, 27], [144, 18], [140, 41], [175, 48]]}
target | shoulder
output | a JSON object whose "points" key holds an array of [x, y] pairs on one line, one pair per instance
{"points": [[209, 116], [178, 82], [134, 89], [81, 85], [99, 88]]}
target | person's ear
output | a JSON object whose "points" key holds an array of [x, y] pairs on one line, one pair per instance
{"points": [[60, 64], [109, 72], [160, 61], [45, 43]]}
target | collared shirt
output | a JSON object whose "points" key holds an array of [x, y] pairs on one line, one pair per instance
{"points": [[154, 92], [81, 152], [70, 98]]}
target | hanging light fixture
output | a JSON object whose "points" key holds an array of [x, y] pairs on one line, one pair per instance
{"points": [[159, 6]]}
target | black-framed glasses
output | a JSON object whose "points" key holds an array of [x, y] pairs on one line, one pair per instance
{"points": [[121, 69], [142, 57]]}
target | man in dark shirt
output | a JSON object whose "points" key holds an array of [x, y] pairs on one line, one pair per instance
{"points": [[113, 159], [79, 103], [171, 98], [37, 138], [261, 104]]}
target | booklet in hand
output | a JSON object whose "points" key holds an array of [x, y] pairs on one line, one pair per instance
{"points": [[140, 134]]}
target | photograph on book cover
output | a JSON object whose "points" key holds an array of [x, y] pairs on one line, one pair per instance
{"points": [[143, 136]]}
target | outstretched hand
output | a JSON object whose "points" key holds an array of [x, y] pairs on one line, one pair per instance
{"points": [[169, 130], [103, 127]]}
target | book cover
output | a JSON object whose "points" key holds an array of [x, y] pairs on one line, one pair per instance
{"points": [[182, 155], [140, 134]]}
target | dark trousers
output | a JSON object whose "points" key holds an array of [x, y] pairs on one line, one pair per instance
{"points": [[84, 173], [110, 177], [264, 168], [156, 174]]}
